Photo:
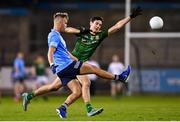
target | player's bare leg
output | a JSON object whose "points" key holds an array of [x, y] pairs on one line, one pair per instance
{"points": [[119, 88], [87, 68], [55, 85], [90, 69], [113, 89], [18, 90], [84, 80], [75, 87]]}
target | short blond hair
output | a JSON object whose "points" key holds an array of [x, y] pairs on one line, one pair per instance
{"points": [[61, 15]]}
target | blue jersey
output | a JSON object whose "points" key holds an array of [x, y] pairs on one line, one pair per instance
{"points": [[19, 63], [61, 56]]}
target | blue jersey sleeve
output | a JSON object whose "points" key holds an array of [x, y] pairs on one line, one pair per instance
{"points": [[54, 41]]}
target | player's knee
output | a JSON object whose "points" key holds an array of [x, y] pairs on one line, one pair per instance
{"points": [[86, 84], [55, 88], [78, 93], [94, 69]]}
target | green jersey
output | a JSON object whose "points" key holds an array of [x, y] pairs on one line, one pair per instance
{"points": [[40, 68], [87, 43]]}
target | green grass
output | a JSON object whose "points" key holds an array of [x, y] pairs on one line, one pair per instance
{"points": [[126, 108]]}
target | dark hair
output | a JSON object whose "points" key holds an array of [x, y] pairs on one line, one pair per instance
{"points": [[96, 18], [59, 14]]}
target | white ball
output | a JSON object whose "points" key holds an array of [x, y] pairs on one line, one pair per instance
{"points": [[156, 22]]}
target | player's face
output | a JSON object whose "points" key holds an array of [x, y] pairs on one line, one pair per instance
{"points": [[115, 58], [96, 25], [20, 55], [64, 22]]}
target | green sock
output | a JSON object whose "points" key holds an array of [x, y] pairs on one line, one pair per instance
{"points": [[89, 107], [30, 95]]}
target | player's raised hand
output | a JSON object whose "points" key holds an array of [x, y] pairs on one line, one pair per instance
{"points": [[136, 12]]}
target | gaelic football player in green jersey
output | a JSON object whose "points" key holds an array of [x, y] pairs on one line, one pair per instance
{"points": [[86, 43], [67, 69]]}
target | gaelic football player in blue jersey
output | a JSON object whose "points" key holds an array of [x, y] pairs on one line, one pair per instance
{"points": [[66, 68]]}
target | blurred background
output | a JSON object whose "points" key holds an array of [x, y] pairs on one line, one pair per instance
{"points": [[25, 24]]}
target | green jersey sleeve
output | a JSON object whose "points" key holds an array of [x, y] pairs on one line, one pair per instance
{"points": [[86, 44], [83, 30], [103, 34]]}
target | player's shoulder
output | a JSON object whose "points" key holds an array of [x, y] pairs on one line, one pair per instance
{"points": [[111, 64], [52, 33], [103, 32], [83, 30]]}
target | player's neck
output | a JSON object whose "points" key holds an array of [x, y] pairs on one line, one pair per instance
{"points": [[57, 28], [94, 31]]}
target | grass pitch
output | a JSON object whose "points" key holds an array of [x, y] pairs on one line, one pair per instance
{"points": [[137, 108]]}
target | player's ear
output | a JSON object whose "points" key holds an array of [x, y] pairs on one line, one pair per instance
{"points": [[90, 23]]}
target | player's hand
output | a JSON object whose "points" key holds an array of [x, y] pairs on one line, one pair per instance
{"points": [[136, 12], [53, 68]]}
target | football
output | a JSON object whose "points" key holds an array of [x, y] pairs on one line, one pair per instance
{"points": [[156, 22]]}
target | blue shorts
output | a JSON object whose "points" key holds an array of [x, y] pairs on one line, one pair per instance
{"points": [[18, 79], [70, 72]]}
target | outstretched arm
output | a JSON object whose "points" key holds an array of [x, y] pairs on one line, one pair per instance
{"points": [[72, 30], [118, 25], [136, 12]]}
